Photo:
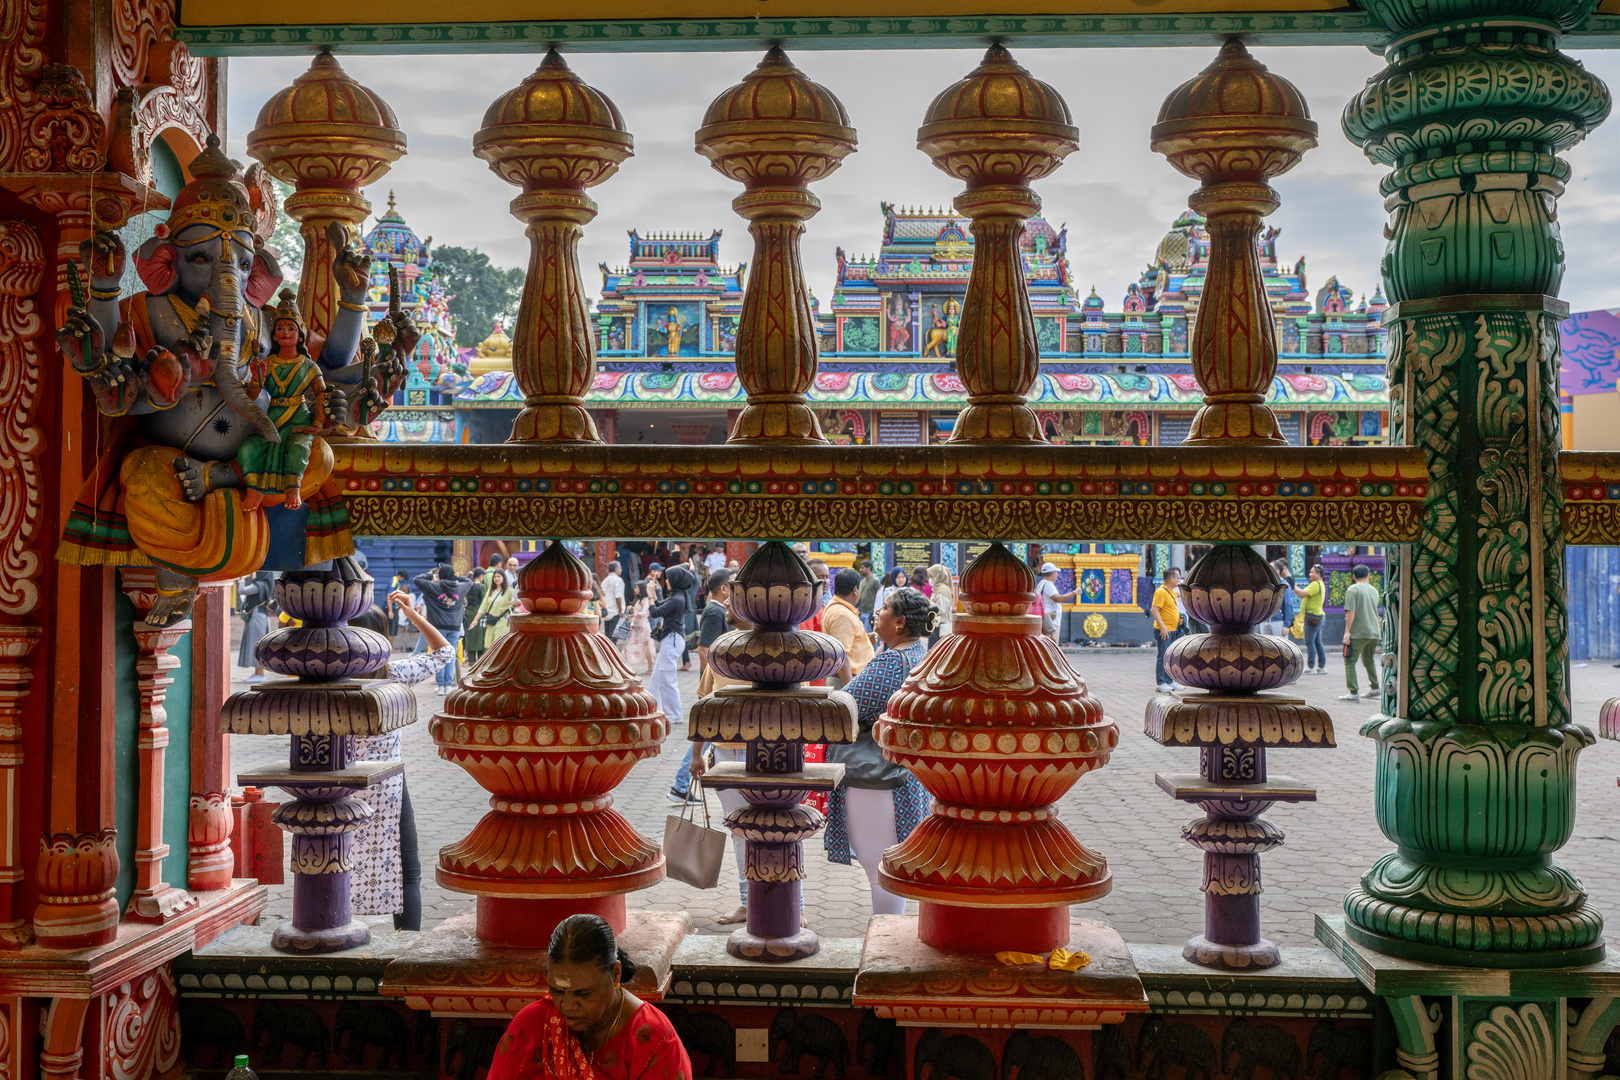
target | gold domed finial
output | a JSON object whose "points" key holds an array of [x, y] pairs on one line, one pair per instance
{"points": [[776, 133], [1233, 127], [494, 353], [329, 137], [390, 200], [998, 129], [554, 136], [1234, 120]]}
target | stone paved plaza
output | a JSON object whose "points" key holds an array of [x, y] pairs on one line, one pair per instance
{"points": [[1118, 811]]}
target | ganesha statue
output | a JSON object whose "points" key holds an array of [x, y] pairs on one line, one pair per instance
{"points": [[217, 468]]}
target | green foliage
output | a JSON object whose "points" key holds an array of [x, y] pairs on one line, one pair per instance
{"points": [[479, 292], [284, 237]]}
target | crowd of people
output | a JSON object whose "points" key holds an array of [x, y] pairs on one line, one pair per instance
{"points": [[664, 607]]}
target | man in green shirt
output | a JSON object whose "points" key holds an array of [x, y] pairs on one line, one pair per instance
{"points": [[1361, 633], [868, 593]]}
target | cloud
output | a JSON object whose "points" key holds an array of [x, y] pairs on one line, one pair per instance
{"points": [[1117, 196]]}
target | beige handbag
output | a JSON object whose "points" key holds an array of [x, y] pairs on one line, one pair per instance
{"points": [[692, 852]]}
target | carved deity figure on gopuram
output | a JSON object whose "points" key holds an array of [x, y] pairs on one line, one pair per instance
{"points": [[216, 467]]}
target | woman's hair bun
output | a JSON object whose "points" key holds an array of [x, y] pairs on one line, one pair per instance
{"points": [[627, 967]]}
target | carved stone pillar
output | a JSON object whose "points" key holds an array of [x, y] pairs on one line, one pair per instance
{"points": [[775, 716], [999, 129], [323, 711], [776, 133], [554, 137], [329, 137], [1476, 747], [1234, 127], [154, 900], [16, 673]]}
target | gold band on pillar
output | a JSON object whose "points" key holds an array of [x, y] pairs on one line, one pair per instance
{"points": [[776, 132], [553, 136], [971, 133]]}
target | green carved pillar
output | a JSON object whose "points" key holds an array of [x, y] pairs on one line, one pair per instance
{"points": [[1476, 758]]}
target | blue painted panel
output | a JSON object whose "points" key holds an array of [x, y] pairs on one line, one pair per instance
{"points": [[1593, 587]]}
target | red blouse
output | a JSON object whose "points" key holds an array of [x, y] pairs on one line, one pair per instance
{"points": [[538, 1046]]}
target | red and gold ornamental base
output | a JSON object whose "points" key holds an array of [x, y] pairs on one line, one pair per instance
{"points": [[997, 726], [549, 721]]}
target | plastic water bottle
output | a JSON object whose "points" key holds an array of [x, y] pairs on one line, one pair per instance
{"points": [[242, 1072]]}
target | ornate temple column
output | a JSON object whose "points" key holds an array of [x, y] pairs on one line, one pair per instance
{"points": [[1475, 778], [776, 132], [324, 711], [1233, 128], [329, 137], [154, 899], [16, 675], [553, 136], [999, 129], [775, 716]]}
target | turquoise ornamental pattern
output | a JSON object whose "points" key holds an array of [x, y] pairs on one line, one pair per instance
{"points": [[1476, 758], [1599, 31]]}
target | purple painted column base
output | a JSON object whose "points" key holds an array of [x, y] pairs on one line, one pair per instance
{"points": [[773, 931], [322, 920], [1231, 937]]}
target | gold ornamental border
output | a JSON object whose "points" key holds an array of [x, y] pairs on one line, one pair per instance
{"points": [[1370, 495], [1591, 497]]}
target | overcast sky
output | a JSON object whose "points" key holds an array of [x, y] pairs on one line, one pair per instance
{"points": [[1117, 196]]}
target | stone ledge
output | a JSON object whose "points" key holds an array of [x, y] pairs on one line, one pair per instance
{"points": [[242, 963], [448, 971], [1317, 984], [1391, 976]]}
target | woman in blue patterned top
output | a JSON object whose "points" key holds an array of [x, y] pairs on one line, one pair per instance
{"points": [[879, 802]]}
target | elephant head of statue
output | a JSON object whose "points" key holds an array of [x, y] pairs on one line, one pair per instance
{"points": [[209, 257]]}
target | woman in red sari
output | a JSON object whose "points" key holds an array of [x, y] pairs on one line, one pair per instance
{"points": [[591, 1027]]}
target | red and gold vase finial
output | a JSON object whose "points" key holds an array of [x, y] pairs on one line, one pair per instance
{"points": [[997, 726], [549, 721]]}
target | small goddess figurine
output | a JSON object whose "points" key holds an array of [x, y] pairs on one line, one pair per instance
{"points": [[272, 472]]}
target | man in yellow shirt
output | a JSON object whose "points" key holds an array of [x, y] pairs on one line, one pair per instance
{"points": [[1166, 620], [841, 619]]}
